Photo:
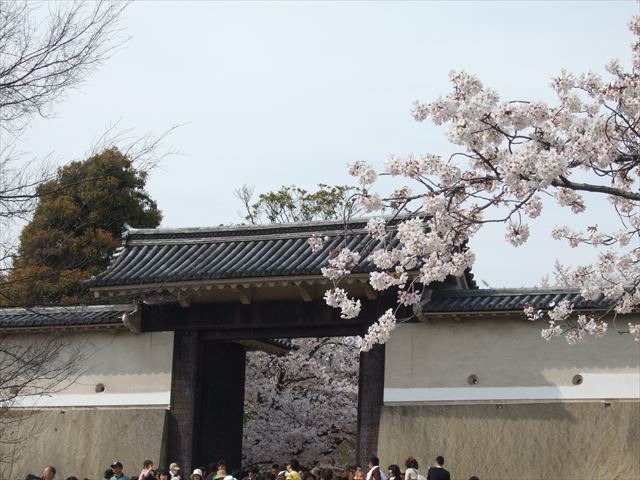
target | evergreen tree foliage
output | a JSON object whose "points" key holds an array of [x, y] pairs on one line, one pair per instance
{"points": [[76, 227]]}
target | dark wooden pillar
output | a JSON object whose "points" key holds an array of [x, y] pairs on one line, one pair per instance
{"points": [[370, 398], [184, 398], [207, 402], [222, 404]]}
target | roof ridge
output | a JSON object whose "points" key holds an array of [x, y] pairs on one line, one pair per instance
{"points": [[239, 228], [505, 291], [39, 310]]}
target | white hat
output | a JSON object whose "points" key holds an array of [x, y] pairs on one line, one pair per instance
{"points": [[197, 471]]}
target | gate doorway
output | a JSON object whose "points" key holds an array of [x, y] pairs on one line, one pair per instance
{"points": [[216, 288]]}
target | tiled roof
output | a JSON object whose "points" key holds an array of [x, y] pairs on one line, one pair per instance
{"points": [[495, 300], [76, 316], [152, 256], [94, 316]]}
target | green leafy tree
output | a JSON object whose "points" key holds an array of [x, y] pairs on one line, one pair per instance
{"points": [[295, 204], [76, 227]]}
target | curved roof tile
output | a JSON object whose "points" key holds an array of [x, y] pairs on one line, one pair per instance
{"points": [[150, 256], [496, 300]]}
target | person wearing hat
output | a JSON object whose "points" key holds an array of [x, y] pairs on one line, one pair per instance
{"points": [[117, 471], [197, 475], [174, 470]]}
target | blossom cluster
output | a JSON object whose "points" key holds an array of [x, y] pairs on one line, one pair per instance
{"points": [[379, 332], [341, 265], [512, 154], [338, 298], [561, 323], [315, 243]]}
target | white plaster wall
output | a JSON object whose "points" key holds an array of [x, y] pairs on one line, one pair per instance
{"points": [[504, 353], [134, 369]]}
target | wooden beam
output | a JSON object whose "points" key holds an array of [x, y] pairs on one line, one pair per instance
{"points": [[260, 320]]}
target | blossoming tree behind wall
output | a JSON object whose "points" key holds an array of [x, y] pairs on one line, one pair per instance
{"points": [[303, 404], [513, 154]]}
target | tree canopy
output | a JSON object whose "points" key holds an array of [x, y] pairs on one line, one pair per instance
{"points": [[291, 203], [77, 225], [513, 155]]}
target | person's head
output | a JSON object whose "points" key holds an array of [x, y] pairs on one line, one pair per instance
{"points": [[220, 474], [473, 478], [440, 460], [373, 462], [49, 473], [72, 478], [108, 473], [117, 468], [326, 474], [394, 471], [253, 473], [275, 468], [31, 476], [174, 468], [411, 462], [197, 474], [293, 465], [163, 475], [221, 465], [147, 464]]}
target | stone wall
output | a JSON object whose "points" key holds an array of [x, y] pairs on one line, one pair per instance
{"points": [[560, 441], [84, 442]]}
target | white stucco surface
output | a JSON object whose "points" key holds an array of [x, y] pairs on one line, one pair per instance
{"points": [[434, 360], [135, 370]]}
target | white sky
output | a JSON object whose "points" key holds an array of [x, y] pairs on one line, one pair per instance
{"points": [[288, 93]]}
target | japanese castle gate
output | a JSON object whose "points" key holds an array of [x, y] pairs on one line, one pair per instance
{"points": [[215, 286], [470, 378]]}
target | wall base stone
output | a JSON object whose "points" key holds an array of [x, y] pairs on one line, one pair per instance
{"points": [[83, 442], [561, 441]]}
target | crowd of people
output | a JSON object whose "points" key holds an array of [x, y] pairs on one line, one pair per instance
{"points": [[292, 471]]}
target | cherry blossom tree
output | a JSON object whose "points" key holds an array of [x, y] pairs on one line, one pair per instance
{"points": [[303, 404], [512, 155]]}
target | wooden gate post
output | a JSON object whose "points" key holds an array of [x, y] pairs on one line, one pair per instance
{"points": [[370, 398], [183, 414]]}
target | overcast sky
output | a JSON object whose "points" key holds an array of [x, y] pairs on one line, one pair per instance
{"points": [[287, 93]]}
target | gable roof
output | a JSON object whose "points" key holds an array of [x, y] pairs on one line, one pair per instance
{"points": [[152, 256], [164, 256]]}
